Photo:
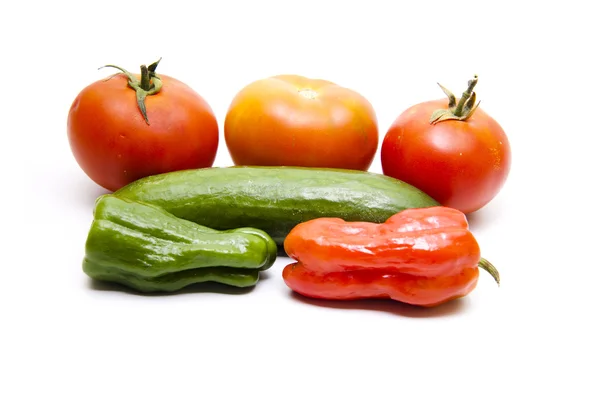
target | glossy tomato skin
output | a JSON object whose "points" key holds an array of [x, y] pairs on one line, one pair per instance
{"points": [[461, 164], [290, 120], [114, 145]]}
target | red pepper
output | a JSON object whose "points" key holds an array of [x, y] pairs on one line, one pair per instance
{"points": [[424, 257]]}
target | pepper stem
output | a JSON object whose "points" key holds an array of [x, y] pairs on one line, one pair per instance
{"points": [[460, 111], [489, 268], [148, 85]]}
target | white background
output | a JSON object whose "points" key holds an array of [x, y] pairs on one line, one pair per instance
{"points": [[63, 337]]}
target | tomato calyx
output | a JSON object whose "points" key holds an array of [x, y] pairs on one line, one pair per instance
{"points": [[490, 269], [460, 111], [149, 84]]}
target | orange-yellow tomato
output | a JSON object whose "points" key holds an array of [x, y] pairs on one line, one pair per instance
{"points": [[290, 120]]}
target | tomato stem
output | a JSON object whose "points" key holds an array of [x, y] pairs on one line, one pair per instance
{"points": [[460, 111], [489, 268], [149, 84], [465, 96], [145, 83]]}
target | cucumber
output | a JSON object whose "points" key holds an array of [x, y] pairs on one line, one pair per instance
{"points": [[275, 199]]}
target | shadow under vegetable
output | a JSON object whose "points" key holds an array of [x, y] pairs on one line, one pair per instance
{"points": [[204, 287], [389, 306]]}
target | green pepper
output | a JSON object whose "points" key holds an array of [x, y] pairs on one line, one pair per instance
{"points": [[148, 249]]}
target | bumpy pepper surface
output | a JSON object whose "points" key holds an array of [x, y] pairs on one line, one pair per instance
{"points": [[424, 257], [148, 249]]}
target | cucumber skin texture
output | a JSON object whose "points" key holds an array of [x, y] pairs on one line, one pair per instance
{"points": [[148, 249], [275, 199]]}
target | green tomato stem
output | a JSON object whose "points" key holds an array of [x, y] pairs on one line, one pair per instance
{"points": [[149, 84], [460, 111], [145, 81]]}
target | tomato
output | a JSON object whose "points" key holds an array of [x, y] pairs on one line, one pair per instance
{"points": [[114, 144], [460, 160], [290, 120]]}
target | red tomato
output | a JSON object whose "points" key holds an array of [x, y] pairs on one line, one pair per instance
{"points": [[462, 164], [114, 144], [290, 120]]}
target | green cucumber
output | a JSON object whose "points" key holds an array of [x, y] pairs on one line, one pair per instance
{"points": [[275, 199]]}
